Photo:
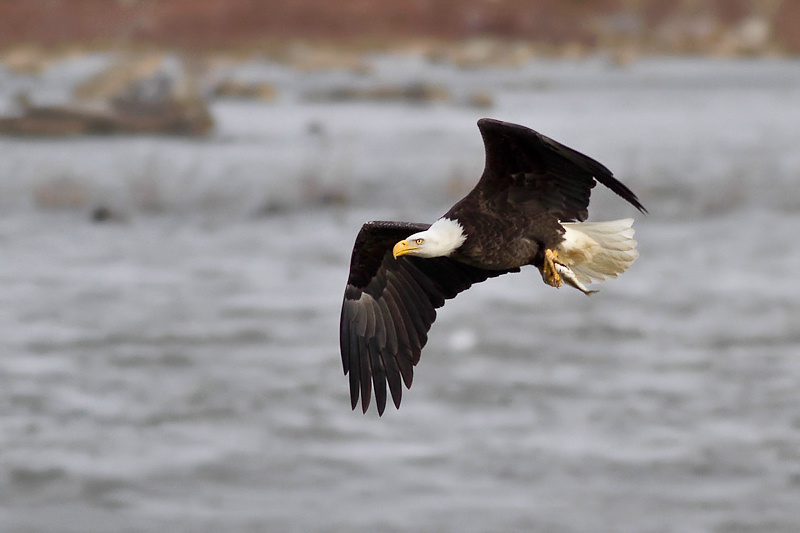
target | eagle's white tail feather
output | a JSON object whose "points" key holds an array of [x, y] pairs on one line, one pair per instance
{"points": [[598, 250]]}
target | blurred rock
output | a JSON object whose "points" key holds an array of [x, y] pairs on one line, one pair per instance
{"points": [[104, 214], [305, 57], [138, 96], [173, 117], [316, 128], [61, 193], [414, 92], [128, 70], [26, 59], [749, 38], [477, 53], [57, 121], [481, 100], [251, 91]]}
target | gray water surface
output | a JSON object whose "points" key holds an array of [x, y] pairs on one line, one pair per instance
{"points": [[178, 370]]}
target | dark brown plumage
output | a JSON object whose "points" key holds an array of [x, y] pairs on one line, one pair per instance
{"points": [[530, 185]]}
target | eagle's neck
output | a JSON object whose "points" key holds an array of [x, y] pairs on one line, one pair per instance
{"points": [[446, 235]]}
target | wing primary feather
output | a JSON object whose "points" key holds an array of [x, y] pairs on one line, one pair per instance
{"points": [[404, 299], [369, 312], [365, 373], [344, 335], [409, 351], [418, 332], [359, 320], [405, 362], [403, 355], [381, 334], [393, 377], [560, 177], [417, 300], [415, 282], [355, 370], [385, 316], [399, 315], [426, 284], [386, 348], [451, 280], [621, 190], [378, 374]]}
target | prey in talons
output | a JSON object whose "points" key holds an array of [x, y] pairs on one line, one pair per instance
{"points": [[550, 273], [554, 273], [571, 279]]}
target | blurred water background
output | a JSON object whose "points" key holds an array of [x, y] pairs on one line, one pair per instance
{"points": [[176, 367]]}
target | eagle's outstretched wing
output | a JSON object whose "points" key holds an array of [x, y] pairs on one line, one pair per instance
{"points": [[526, 167], [389, 306]]}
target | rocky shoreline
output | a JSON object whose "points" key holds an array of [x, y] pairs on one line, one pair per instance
{"points": [[443, 27], [209, 39]]}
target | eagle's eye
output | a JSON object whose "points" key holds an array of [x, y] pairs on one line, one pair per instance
{"points": [[419, 241]]}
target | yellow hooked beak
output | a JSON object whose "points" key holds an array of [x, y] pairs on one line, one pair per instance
{"points": [[403, 247]]}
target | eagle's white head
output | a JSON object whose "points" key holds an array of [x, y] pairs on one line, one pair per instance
{"points": [[440, 240]]}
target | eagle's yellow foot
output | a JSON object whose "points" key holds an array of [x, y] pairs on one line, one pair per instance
{"points": [[549, 273]]}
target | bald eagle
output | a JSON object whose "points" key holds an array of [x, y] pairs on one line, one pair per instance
{"points": [[528, 208]]}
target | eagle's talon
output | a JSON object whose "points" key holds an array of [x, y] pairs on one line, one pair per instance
{"points": [[549, 273]]}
